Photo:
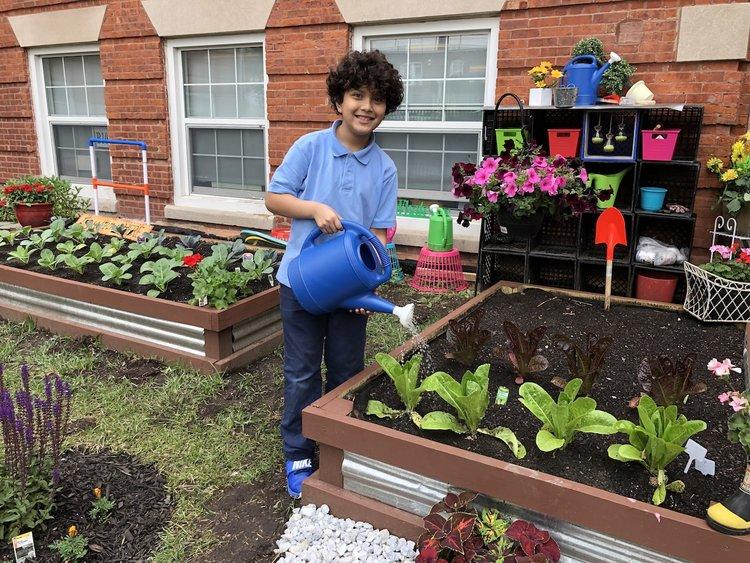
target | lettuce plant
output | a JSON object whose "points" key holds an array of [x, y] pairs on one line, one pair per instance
{"points": [[97, 252], [55, 230], [177, 253], [38, 240], [47, 259], [68, 247], [523, 350], [78, 233], [571, 414], [467, 337], [21, 254], [143, 249], [159, 274], [668, 382], [116, 244], [404, 378], [114, 273], [655, 442], [75, 263], [470, 399], [9, 237], [584, 362]]}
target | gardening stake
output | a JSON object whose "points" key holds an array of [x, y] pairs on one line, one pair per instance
{"points": [[610, 230]]}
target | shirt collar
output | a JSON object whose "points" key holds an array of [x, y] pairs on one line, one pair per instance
{"points": [[339, 149]]}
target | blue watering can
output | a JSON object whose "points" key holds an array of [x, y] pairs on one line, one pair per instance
{"points": [[342, 272], [585, 72]]}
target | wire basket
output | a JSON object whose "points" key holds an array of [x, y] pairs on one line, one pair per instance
{"points": [[397, 274], [438, 272], [564, 96], [712, 298]]}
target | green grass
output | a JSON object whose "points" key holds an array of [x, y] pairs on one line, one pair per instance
{"points": [[160, 421]]}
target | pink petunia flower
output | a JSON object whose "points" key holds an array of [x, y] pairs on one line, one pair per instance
{"points": [[490, 164], [481, 176], [510, 177], [532, 176], [492, 196], [583, 175], [510, 189], [724, 251], [527, 187], [540, 162], [738, 403], [724, 398], [559, 181], [723, 368], [548, 185]]}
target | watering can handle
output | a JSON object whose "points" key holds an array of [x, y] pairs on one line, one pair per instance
{"points": [[385, 260], [579, 58]]}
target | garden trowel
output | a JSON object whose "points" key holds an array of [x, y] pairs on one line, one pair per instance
{"points": [[610, 230]]}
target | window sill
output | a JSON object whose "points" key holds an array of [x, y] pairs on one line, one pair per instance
{"points": [[255, 216]]}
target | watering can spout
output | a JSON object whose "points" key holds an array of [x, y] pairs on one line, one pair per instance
{"points": [[376, 304], [597, 76]]}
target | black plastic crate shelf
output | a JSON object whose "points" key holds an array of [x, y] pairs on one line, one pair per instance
{"points": [[491, 236], [665, 229], [497, 266], [507, 117], [680, 290], [680, 181], [592, 277], [558, 235], [624, 198], [590, 250], [688, 121], [552, 272], [609, 121]]}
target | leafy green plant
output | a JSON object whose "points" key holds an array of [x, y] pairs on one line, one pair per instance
{"points": [[143, 249], [404, 378], [69, 247], [523, 347], [65, 197], [259, 263], [56, 229], [467, 337], [492, 526], [78, 233], [38, 240], [97, 252], [561, 421], [72, 547], [116, 244], [669, 382], [47, 259], [470, 399], [21, 254], [584, 361], [735, 271], [115, 273], [159, 274], [617, 76], [177, 253], [655, 443], [75, 263], [190, 242], [101, 506], [9, 237], [28, 507]]}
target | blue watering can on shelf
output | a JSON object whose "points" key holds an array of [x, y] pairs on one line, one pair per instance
{"points": [[585, 72], [342, 272]]}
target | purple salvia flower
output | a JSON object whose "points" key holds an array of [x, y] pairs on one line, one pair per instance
{"points": [[55, 476], [25, 377]]}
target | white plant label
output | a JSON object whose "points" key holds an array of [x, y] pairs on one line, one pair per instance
{"points": [[697, 454], [23, 547]]}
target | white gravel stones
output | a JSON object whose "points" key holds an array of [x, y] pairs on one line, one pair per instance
{"points": [[314, 535]]}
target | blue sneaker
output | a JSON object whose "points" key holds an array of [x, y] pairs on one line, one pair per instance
{"points": [[296, 472]]}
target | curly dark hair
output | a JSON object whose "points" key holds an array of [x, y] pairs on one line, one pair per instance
{"points": [[368, 69]]}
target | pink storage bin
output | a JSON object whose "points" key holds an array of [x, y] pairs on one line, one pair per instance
{"points": [[659, 144]]}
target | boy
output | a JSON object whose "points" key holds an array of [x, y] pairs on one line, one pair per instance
{"points": [[330, 175]]}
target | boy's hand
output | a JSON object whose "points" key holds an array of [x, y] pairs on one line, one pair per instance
{"points": [[327, 219]]}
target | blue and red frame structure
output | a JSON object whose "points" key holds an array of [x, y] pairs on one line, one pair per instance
{"points": [[96, 182]]}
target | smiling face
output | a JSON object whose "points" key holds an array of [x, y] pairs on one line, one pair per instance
{"points": [[361, 113]]}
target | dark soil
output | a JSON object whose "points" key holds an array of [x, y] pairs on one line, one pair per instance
{"points": [[638, 332], [142, 508], [179, 290]]}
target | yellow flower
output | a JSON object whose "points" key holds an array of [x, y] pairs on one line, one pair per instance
{"points": [[556, 74], [540, 84], [738, 149], [97, 492], [546, 64], [729, 175], [72, 532], [536, 70], [714, 164]]}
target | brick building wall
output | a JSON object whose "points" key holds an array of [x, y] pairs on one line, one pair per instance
{"points": [[303, 38]]}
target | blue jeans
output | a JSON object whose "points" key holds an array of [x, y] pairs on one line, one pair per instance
{"points": [[341, 337]]}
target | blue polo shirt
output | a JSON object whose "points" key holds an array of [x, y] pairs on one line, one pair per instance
{"points": [[359, 186]]}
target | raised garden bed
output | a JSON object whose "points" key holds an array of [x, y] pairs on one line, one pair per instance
{"points": [[579, 485], [167, 327]]}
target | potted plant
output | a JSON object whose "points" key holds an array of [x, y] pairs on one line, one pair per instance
{"points": [[617, 77], [545, 78], [735, 180], [519, 189], [49, 190]]}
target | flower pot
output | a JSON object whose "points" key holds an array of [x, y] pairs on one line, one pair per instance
{"points": [[655, 286], [659, 144], [652, 199], [517, 228], [540, 96], [33, 214]]}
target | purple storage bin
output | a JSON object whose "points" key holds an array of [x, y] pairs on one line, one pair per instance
{"points": [[659, 144]]}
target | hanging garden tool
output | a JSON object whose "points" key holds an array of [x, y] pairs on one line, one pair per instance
{"points": [[610, 230]]}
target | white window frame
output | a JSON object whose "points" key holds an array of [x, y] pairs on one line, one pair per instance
{"points": [[178, 124], [43, 121], [361, 36]]}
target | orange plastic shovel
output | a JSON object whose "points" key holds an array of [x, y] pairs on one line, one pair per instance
{"points": [[610, 230]]}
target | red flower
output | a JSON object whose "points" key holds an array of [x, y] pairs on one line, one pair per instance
{"points": [[192, 260]]}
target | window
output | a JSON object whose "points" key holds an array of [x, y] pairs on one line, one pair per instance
{"points": [[69, 97], [449, 71], [217, 100]]}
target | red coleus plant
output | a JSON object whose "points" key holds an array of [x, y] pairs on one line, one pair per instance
{"points": [[532, 543], [28, 194], [192, 260]]}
